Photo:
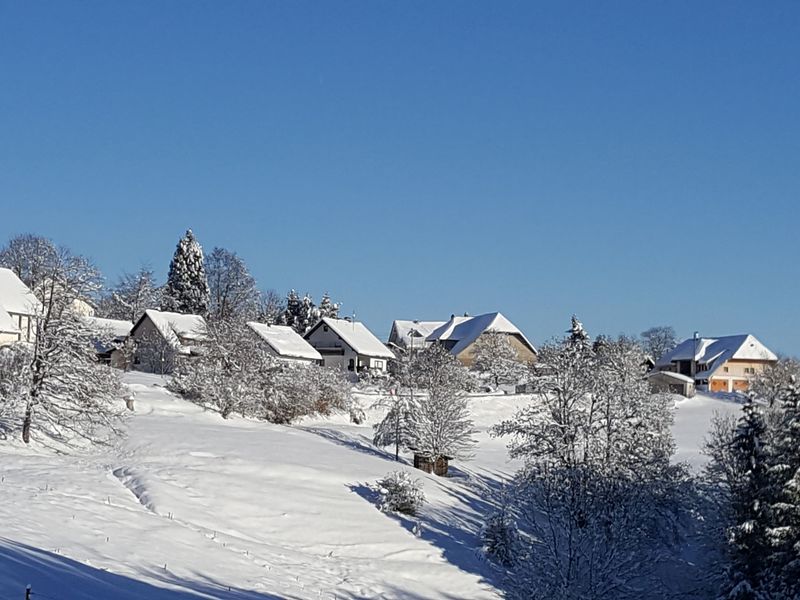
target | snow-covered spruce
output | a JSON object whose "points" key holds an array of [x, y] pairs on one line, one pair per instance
{"points": [[501, 539], [187, 286], [399, 492]]}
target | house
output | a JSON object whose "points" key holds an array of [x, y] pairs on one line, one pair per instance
{"points": [[111, 336], [162, 338], [721, 364], [459, 335], [285, 343], [412, 335], [348, 345], [19, 308]]}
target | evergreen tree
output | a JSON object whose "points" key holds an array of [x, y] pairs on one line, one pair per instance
{"points": [[577, 333], [749, 488], [309, 315], [327, 308], [187, 286], [784, 529], [291, 314]]}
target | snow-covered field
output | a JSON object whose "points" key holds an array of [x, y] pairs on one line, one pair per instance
{"points": [[190, 505]]}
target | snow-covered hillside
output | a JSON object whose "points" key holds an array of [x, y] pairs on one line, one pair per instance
{"points": [[191, 505]]}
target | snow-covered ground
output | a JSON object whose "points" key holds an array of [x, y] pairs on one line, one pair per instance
{"points": [[190, 505]]}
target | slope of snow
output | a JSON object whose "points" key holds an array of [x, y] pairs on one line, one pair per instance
{"points": [[693, 418], [189, 505], [192, 503]]}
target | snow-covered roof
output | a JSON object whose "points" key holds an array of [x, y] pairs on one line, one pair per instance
{"points": [[713, 352], [15, 297], [117, 328], [357, 336], [7, 324], [408, 332], [671, 375], [285, 341], [465, 330], [175, 327]]}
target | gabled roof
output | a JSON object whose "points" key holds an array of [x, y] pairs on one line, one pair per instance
{"points": [[117, 328], [713, 352], [465, 330], [406, 332], [355, 335], [175, 326], [7, 324], [15, 297], [285, 341]]}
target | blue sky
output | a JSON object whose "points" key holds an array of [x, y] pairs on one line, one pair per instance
{"points": [[637, 163]]}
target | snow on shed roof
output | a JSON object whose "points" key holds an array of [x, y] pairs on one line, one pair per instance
{"points": [[404, 330], [671, 375], [716, 351], [119, 329], [285, 341], [357, 336], [175, 327], [465, 330], [15, 297], [7, 324]]}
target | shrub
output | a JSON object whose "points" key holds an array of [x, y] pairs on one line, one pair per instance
{"points": [[500, 538], [400, 493]]}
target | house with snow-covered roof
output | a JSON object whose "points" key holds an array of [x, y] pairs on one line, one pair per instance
{"points": [[110, 336], [19, 308], [161, 338], [719, 364], [460, 334], [412, 335], [285, 343], [348, 345]]}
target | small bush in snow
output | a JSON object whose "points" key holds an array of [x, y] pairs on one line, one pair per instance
{"points": [[500, 538], [400, 493]]}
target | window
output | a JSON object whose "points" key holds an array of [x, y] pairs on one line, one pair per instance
{"points": [[378, 364], [324, 328], [351, 365], [725, 369]]}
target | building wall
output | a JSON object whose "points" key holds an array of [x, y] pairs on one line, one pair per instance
{"points": [[8, 338], [735, 375], [27, 326], [524, 354]]}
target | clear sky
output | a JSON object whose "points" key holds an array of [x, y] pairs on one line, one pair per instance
{"points": [[637, 163]]}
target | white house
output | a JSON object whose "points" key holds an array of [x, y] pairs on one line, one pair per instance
{"points": [[412, 335], [163, 337], [459, 335], [719, 364], [348, 345], [285, 343], [19, 308]]}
